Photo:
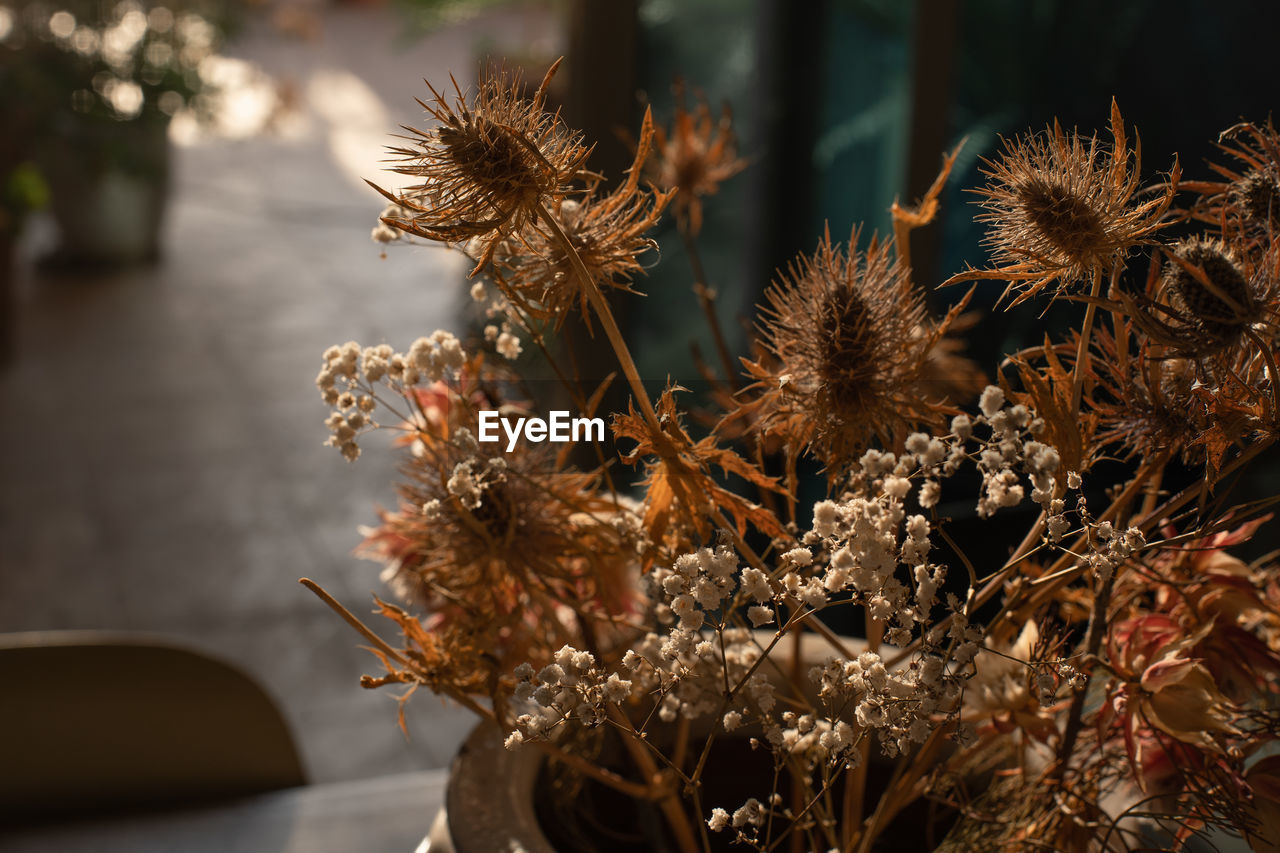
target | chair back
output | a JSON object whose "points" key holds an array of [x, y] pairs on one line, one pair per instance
{"points": [[95, 722]]}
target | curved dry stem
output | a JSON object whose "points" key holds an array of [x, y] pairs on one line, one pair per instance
{"points": [[607, 321], [1082, 348]]}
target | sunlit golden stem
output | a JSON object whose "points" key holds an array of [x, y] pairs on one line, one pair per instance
{"points": [[607, 321]]}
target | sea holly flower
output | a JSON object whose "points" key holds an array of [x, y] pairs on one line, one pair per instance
{"points": [[489, 167], [1062, 208], [697, 155]]}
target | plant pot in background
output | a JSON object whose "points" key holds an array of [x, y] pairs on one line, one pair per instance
{"points": [[109, 183]]}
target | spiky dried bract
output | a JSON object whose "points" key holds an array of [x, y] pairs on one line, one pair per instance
{"points": [[1245, 203], [608, 233], [682, 494], [850, 343], [1150, 398], [1207, 299], [1145, 405], [501, 549], [1209, 286], [489, 167], [1062, 208], [698, 154]]}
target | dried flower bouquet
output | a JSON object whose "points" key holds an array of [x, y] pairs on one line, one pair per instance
{"points": [[1108, 686]]}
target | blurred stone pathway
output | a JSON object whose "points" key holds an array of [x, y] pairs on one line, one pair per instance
{"points": [[161, 467]]}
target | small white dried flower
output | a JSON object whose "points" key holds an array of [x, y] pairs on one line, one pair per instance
{"points": [[798, 556], [508, 346], [991, 401]]}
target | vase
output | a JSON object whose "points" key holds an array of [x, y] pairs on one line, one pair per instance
{"points": [[491, 801]]}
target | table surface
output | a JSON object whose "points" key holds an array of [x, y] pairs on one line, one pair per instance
{"points": [[389, 814]]}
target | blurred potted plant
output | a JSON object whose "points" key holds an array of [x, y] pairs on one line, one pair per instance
{"points": [[22, 190], [100, 80], [22, 187], [1108, 683]]}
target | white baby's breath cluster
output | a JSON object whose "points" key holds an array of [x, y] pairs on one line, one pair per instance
{"points": [[504, 340], [1012, 446], [469, 478], [351, 374], [384, 233], [866, 540], [684, 672], [689, 666], [901, 705], [1001, 441], [1109, 548], [687, 673], [573, 687], [865, 549]]}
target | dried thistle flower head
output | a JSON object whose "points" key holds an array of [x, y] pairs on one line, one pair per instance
{"points": [[496, 546], [695, 157], [607, 231], [1208, 284], [490, 167], [1145, 405], [1206, 299], [1245, 203], [1258, 196], [846, 334], [1062, 208]]}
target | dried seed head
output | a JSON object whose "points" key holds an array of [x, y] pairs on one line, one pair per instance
{"points": [[849, 342], [1061, 208], [1244, 205], [1147, 402], [503, 169], [492, 543], [489, 169], [848, 326], [1209, 287], [694, 157], [1257, 195], [607, 231], [1062, 217]]}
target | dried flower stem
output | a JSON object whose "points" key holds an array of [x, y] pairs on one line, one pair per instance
{"points": [[350, 619], [660, 783], [707, 300], [1093, 642], [1082, 348], [605, 315], [605, 777], [855, 796], [904, 786]]}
